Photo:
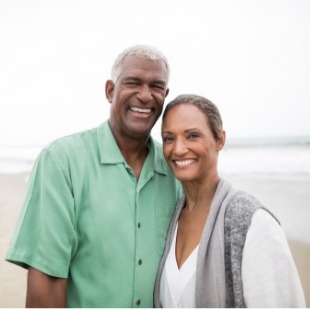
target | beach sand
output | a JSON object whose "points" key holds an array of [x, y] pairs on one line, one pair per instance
{"points": [[12, 278], [288, 198]]}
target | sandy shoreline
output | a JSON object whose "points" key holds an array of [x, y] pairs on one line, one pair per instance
{"points": [[288, 198], [12, 278]]}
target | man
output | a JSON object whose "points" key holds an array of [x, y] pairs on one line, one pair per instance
{"points": [[99, 203]]}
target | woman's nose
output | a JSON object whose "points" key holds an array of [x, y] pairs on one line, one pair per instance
{"points": [[180, 147]]}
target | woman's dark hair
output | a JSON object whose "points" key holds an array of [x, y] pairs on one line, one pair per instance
{"points": [[207, 107]]}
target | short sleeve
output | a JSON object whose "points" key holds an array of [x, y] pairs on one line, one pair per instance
{"points": [[45, 236], [269, 275]]}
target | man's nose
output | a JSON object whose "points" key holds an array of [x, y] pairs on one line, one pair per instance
{"points": [[144, 94]]}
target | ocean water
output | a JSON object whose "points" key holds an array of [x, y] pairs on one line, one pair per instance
{"points": [[277, 157], [18, 158], [280, 160]]}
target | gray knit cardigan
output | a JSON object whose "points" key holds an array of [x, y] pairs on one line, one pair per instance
{"points": [[218, 274]]}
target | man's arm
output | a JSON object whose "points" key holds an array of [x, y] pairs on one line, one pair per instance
{"points": [[44, 291]]}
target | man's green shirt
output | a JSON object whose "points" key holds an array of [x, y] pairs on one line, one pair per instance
{"points": [[88, 219]]}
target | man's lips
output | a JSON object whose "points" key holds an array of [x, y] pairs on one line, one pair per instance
{"points": [[141, 110]]}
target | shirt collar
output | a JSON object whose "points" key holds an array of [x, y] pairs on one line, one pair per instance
{"points": [[111, 154]]}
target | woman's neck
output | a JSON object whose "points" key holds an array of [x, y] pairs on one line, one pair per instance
{"points": [[200, 195]]}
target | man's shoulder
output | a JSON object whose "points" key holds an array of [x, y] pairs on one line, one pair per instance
{"points": [[75, 140], [76, 147]]}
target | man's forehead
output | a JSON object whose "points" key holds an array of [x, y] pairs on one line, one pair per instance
{"points": [[135, 65]]}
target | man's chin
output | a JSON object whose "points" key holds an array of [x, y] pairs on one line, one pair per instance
{"points": [[140, 128]]}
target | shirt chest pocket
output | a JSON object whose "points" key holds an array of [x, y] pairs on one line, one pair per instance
{"points": [[164, 216]]}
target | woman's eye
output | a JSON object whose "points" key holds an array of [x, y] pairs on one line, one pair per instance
{"points": [[167, 139], [192, 136]]}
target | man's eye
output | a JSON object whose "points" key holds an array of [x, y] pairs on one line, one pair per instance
{"points": [[133, 84], [158, 86]]}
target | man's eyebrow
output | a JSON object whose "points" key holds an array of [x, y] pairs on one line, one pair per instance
{"points": [[133, 78], [137, 79]]}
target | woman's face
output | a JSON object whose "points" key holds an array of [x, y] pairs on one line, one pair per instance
{"points": [[188, 144]]}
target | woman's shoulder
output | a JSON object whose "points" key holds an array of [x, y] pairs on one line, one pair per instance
{"points": [[243, 199], [242, 204], [242, 208]]}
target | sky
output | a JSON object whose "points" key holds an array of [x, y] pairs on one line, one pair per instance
{"points": [[250, 57]]}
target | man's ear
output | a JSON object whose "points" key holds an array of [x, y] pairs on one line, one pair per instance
{"points": [[109, 90], [167, 92], [221, 141]]}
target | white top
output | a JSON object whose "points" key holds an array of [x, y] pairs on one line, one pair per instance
{"points": [[269, 275], [177, 287]]}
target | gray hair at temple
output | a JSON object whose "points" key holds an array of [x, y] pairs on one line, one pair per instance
{"points": [[208, 108], [146, 51]]}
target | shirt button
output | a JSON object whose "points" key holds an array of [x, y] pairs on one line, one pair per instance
{"points": [[140, 261], [138, 302], [139, 225]]}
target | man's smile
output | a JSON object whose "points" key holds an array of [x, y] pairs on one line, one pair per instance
{"points": [[141, 111]]}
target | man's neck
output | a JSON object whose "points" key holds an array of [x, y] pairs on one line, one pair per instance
{"points": [[134, 151]]}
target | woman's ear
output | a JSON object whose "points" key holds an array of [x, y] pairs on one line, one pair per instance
{"points": [[221, 141], [109, 90]]}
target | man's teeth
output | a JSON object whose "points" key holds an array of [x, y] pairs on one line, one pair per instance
{"points": [[184, 162], [140, 110]]}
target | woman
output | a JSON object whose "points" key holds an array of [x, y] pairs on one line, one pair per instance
{"points": [[223, 248]]}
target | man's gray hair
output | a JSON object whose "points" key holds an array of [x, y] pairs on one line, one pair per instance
{"points": [[146, 51]]}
